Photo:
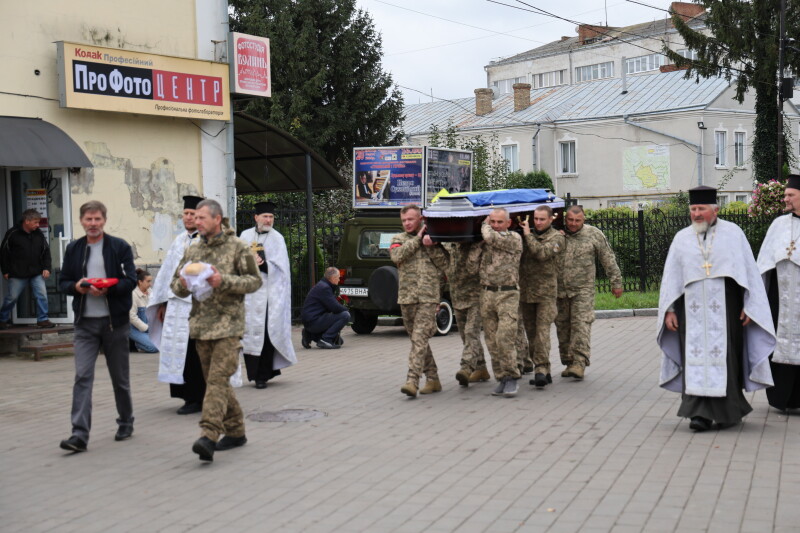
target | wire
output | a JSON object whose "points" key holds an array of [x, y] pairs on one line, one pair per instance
{"points": [[31, 96], [223, 128]]}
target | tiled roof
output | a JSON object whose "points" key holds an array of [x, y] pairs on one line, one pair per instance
{"points": [[584, 101]]}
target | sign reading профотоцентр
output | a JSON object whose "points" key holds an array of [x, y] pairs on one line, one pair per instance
{"points": [[110, 79]]}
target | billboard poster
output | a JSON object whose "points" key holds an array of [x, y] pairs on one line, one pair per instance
{"points": [[250, 65], [447, 169], [387, 177], [111, 79]]}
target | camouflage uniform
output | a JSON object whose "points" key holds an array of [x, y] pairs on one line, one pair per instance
{"points": [[420, 270], [217, 325], [522, 345], [500, 298], [576, 291], [465, 292], [538, 289]]}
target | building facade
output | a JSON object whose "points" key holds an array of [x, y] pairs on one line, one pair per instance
{"points": [[140, 164]]}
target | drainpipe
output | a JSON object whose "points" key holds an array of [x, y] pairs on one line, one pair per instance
{"points": [[681, 139], [535, 148]]}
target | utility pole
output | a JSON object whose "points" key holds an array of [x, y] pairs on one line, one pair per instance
{"points": [[781, 46]]}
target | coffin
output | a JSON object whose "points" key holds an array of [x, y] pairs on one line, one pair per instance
{"points": [[458, 217]]}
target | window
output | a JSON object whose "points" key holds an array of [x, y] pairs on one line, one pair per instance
{"points": [[373, 243], [720, 148], [688, 54], [722, 200], [738, 148], [510, 152], [549, 79], [507, 86], [567, 156], [742, 198], [643, 63], [594, 72]]}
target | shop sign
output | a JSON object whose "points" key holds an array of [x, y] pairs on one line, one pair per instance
{"points": [[250, 62], [110, 79]]}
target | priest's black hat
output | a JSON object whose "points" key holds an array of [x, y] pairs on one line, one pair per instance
{"points": [[190, 202], [265, 207], [793, 182], [703, 195]]}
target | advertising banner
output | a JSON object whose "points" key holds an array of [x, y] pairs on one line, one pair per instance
{"points": [[250, 64], [447, 169], [387, 177], [110, 79]]}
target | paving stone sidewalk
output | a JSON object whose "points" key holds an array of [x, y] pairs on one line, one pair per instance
{"points": [[605, 454]]}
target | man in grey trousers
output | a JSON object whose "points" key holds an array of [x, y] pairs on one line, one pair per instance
{"points": [[101, 320]]}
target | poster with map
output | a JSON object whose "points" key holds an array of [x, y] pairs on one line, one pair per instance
{"points": [[645, 168]]}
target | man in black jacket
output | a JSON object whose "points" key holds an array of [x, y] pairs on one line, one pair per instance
{"points": [[25, 260], [101, 320], [324, 317]]}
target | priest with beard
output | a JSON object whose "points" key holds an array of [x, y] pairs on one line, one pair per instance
{"points": [[779, 264], [267, 341], [168, 317], [714, 321]]}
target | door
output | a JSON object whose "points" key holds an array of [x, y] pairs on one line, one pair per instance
{"points": [[48, 192]]}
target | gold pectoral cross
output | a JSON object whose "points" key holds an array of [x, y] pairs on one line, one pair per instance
{"points": [[791, 248], [707, 266]]}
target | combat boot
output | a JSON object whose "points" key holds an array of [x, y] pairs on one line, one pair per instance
{"points": [[462, 376], [575, 370], [409, 389], [431, 386], [479, 375]]}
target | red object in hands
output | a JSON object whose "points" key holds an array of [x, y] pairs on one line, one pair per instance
{"points": [[102, 283]]}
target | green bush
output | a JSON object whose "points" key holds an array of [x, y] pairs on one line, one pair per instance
{"points": [[538, 179]]}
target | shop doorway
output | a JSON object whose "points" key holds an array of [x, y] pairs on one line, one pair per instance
{"points": [[48, 192]]}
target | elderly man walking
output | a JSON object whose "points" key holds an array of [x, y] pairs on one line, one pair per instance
{"points": [[715, 325]]}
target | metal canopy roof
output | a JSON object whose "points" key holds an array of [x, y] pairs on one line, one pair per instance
{"points": [[258, 144], [35, 143]]}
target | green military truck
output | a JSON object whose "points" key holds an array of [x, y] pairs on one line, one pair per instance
{"points": [[369, 278]]}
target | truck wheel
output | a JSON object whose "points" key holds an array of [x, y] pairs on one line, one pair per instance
{"points": [[444, 318], [363, 323]]}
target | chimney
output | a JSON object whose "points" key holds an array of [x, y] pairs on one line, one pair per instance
{"points": [[522, 96], [589, 34], [483, 101], [685, 10]]}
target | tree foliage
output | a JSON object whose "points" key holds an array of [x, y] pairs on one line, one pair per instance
{"points": [[489, 170], [328, 85], [743, 47]]}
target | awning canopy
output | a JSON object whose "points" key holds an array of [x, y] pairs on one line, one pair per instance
{"points": [[35, 143], [257, 145]]}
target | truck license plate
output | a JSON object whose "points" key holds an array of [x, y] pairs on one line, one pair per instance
{"points": [[354, 291]]}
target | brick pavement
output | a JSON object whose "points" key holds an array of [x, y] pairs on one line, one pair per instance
{"points": [[606, 454]]}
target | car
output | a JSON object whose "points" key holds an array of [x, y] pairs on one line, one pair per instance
{"points": [[369, 278]]}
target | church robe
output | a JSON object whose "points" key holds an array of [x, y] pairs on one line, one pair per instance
{"points": [[267, 341], [732, 279], [773, 257], [179, 364]]}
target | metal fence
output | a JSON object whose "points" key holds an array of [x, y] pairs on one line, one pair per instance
{"points": [[641, 242]]}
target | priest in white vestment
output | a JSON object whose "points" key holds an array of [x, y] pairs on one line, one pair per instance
{"points": [[267, 341], [714, 323], [779, 264], [168, 317]]}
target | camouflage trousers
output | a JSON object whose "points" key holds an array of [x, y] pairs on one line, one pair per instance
{"points": [[221, 412], [574, 327], [537, 319], [420, 323], [523, 344], [469, 328], [499, 311]]}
